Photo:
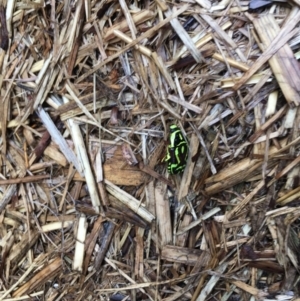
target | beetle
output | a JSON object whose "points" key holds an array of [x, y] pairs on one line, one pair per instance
{"points": [[177, 151]]}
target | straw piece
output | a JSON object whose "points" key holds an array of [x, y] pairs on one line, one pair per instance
{"points": [[231, 62], [204, 3], [263, 127], [49, 271], [220, 32], [212, 282], [187, 175], [185, 38], [58, 139], [245, 201], [128, 40], [84, 163], [19, 250], [7, 195], [200, 41], [279, 41], [250, 289], [184, 255], [123, 26], [163, 215], [283, 63], [129, 201], [24, 180]]}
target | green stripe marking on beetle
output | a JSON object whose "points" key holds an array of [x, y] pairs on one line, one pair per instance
{"points": [[177, 152]]}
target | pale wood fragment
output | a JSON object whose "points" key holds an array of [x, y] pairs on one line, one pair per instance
{"points": [[204, 3], [129, 201], [118, 171], [84, 163], [123, 26], [259, 148], [231, 62], [185, 38], [230, 244], [283, 63], [163, 215], [129, 19], [221, 5], [49, 271], [184, 255], [144, 50], [200, 41], [39, 259], [24, 180], [80, 242], [56, 226], [289, 197], [279, 41], [19, 250], [288, 168], [9, 14], [142, 285], [200, 220], [232, 176], [162, 68], [112, 264], [188, 172], [103, 99], [223, 35], [245, 201], [52, 152], [272, 101], [255, 79], [58, 139], [139, 257], [267, 124], [290, 118], [250, 289], [212, 282], [185, 104], [8, 193]]}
